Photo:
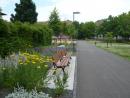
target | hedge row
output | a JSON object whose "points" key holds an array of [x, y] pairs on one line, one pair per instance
{"points": [[20, 36]]}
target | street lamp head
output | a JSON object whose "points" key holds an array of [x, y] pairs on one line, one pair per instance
{"points": [[76, 12]]}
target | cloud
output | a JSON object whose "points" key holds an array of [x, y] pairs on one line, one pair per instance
{"points": [[44, 12], [5, 3], [90, 10], [93, 9], [8, 7]]}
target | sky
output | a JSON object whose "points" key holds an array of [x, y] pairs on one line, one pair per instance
{"points": [[90, 10]]}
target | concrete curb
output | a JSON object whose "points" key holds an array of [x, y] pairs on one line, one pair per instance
{"points": [[75, 81]]}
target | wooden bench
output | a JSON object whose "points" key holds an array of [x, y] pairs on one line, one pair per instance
{"points": [[61, 59]]}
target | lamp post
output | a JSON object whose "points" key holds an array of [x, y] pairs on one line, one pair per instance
{"points": [[74, 15], [73, 24]]}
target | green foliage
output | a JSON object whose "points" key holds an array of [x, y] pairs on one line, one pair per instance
{"points": [[21, 36], [42, 35], [29, 76], [4, 39], [87, 30], [61, 84], [54, 22], [119, 25], [64, 27], [4, 29], [72, 31], [109, 38], [67, 28], [25, 12]]}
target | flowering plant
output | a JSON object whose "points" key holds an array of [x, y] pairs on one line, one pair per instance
{"points": [[26, 58]]}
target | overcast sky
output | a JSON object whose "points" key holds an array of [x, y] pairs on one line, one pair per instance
{"points": [[90, 10]]}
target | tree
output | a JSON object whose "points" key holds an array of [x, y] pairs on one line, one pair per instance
{"points": [[87, 30], [119, 25], [54, 22], [25, 12], [81, 33], [71, 30], [108, 38], [64, 27]]}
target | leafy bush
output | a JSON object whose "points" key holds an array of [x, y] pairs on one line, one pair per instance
{"points": [[4, 42], [20, 92], [20, 36], [42, 35], [8, 79], [26, 75], [30, 76], [4, 29]]}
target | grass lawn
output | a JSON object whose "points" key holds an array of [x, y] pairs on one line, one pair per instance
{"points": [[121, 49]]}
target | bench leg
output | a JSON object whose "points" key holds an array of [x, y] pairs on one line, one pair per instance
{"points": [[63, 69]]}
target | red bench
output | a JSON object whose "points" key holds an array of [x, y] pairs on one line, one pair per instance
{"points": [[61, 59]]}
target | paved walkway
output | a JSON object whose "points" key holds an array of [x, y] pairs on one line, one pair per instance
{"points": [[101, 74]]}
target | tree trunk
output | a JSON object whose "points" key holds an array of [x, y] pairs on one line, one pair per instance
{"points": [[107, 44]]}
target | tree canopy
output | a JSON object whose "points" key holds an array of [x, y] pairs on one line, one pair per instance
{"points": [[87, 30], [25, 12], [119, 25], [54, 22]]}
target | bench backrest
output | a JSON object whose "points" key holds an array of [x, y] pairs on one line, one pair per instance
{"points": [[59, 54]]}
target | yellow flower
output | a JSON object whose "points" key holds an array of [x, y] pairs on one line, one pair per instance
{"points": [[36, 57], [21, 63], [33, 62]]}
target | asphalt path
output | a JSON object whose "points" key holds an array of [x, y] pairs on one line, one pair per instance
{"points": [[101, 74]]}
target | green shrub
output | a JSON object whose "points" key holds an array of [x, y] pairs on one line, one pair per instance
{"points": [[29, 76], [4, 29], [61, 84], [42, 35], [20, 36]]}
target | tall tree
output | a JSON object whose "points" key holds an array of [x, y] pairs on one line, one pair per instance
{"points": [[25, 12], [87, 30], [54, 22]]}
